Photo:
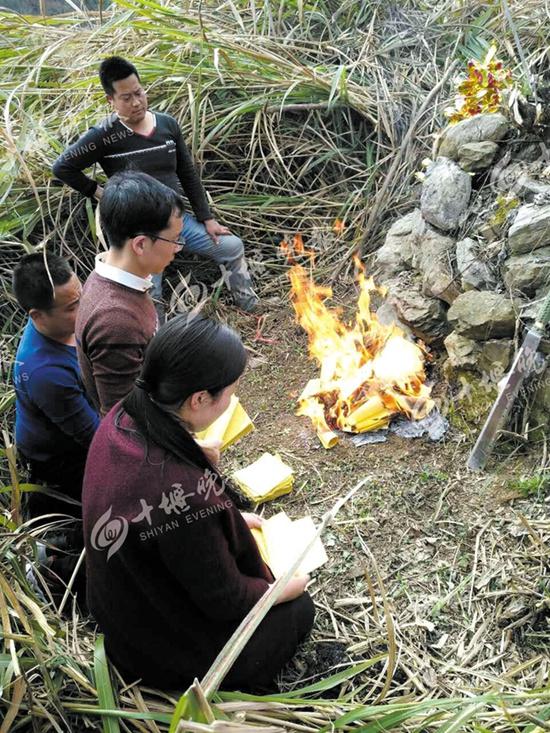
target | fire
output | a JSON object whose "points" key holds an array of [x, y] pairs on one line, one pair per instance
{"points": [[368, 371], [339, 226]]}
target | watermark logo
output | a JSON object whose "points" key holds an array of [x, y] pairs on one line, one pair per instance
{"points": [[207, 484], [109, 533], [188, 297], [176, 501]]}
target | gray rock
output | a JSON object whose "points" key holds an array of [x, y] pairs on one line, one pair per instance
{"points": [[387, 315], [445, 194], [529, 272], [425, 316], [520, 175], [433, 259], [463, 352], [474, 272], [477, 156], [509, 177], [515, 178], [479, 128], [401, 240], [482, 315], [530, 230], [487, 357], [495, 356]]}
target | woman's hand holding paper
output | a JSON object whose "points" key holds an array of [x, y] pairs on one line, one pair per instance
{"points": [[295, 587], [253, 521]]}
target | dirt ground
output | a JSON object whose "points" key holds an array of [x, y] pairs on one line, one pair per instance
{"points": [[438, 574]]}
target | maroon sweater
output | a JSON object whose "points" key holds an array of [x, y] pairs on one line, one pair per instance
{"points": [[113, 327], [172, 566]]}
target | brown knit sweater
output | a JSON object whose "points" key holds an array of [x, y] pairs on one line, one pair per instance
{"points": [[113, 327]]}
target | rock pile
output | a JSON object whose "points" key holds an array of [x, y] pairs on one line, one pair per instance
{"points": [[469, 268]]}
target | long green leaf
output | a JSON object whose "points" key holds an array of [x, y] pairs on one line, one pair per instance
{"points": [[322, 686], [457, 722], [104, 687]]}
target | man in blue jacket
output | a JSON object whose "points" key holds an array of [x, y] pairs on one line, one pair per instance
{"points": [[55, 422]]}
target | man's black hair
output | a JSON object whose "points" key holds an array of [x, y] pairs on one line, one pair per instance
{"points": [[32, 286], [115, 68], [135, 203]]}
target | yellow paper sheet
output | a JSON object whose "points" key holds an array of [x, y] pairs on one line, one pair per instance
{"points": [[232, 425], [279, 491], [327, 437], [370, 415], [310, 406], [260, 541], [265, 477], [280, 540]]}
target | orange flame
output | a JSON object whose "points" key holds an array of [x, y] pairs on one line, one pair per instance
{"points": [[368, 371], [296, 248], [338, 226]]}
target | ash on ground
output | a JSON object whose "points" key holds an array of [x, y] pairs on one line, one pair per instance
{"points": [[433, 426]]}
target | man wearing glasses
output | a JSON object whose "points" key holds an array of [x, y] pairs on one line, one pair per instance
{"points": [[135, 138], [142, 220]]}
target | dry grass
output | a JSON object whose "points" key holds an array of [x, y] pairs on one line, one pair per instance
{"points": [[448, 567]]}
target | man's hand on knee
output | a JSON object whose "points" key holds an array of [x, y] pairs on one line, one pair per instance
{"points": [[215, 230]]}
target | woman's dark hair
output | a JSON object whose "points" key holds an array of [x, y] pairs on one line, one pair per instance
{"points": [[189, 354], [115, 68], [31, 282], [136, 203]]}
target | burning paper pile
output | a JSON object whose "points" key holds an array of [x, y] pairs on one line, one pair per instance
{"points": [[369, 371]]}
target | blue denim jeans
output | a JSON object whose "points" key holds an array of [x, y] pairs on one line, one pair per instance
{"points": [[229, 254]]}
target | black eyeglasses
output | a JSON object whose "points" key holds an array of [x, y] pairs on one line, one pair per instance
{"points": [[162, 239]]}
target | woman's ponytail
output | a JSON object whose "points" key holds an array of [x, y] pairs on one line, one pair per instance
{"points": [[187, 355]]}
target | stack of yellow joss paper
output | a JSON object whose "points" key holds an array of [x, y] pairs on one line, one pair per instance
{"points": [[265, 479]]}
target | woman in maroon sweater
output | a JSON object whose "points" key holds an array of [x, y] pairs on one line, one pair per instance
{"points": [[172, 565]]}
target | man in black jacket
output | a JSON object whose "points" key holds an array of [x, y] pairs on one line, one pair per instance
{"points": [[134, 137]]}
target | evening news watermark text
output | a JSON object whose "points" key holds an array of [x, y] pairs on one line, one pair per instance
{"points": [[109, 533]]}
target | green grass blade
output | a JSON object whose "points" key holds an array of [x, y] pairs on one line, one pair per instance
{"points": [[192, 705], [457, 722], [544, 715], [104, 687], [300, 695], [335, 679]]}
